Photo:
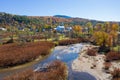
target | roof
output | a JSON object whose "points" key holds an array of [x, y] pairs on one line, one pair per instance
{"points": [[70, 28], [60, 27]]}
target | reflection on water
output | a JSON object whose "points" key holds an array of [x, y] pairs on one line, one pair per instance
{"points": [[64, 53]]}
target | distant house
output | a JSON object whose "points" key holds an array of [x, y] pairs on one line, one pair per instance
{"points": [[63, 29], [3, 29], [60, 28], [68, 29]]}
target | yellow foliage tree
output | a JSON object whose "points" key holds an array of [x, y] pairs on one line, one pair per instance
{"points": [[101, 38], [107, 27], [89, 27], [109, 41], [99, 27], [77, 28], [114, 36], [113, 32], [115, 27]]}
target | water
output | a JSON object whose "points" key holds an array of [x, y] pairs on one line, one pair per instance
{"points": [[63, 53], [66, 54]]}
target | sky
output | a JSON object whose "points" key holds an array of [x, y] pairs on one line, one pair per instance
{"points": [[105, 10]]}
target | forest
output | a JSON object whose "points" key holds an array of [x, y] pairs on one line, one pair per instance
{"points": [[39, 22]]}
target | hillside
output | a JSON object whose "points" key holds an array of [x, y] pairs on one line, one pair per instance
{"points": [[7, 20]]}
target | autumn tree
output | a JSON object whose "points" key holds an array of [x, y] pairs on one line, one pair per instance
{"points": [[77, 29], [114, 32], [107, 27], [99, 27], [101, 38], [89, 28], [110, 41], [11, 32]]}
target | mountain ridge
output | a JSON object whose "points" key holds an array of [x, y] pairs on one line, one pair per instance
{"points": [[62, 16]]}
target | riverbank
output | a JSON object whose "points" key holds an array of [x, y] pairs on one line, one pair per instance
{"points": [[58, 53], [20, 68], [91, 64], [55, 70], [40, 58]]}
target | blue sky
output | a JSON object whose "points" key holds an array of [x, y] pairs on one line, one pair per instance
{"points": [[105, 10]]}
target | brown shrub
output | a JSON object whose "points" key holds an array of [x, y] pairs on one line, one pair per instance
{"points": [[38, 37], [57, 71], [91, 52], [14, 54], [69, 41], [107, 65], [112, 56], [84, 39], [116, 74]]}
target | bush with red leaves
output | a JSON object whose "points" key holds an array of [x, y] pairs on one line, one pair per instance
{"points": [[116, 74], [15, 54], [91, 52], [57, 71], [111, 56]]}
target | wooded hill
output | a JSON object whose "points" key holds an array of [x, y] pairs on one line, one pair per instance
{"points": [[7, 20]]}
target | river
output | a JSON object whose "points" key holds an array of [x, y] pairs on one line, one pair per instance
{"points": [[63, 53]]}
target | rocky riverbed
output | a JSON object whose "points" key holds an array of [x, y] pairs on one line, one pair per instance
{"points": [[93, 65]]}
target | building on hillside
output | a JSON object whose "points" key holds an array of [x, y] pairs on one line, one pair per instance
{"points": [[68, 29], [3, 29], [60, 29]]}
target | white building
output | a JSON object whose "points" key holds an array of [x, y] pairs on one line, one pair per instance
{"points": [[3, 29], [60, 28]]}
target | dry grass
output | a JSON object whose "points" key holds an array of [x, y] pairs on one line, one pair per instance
{"points": [[56, 71], [69, 41], [14, 54]]}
